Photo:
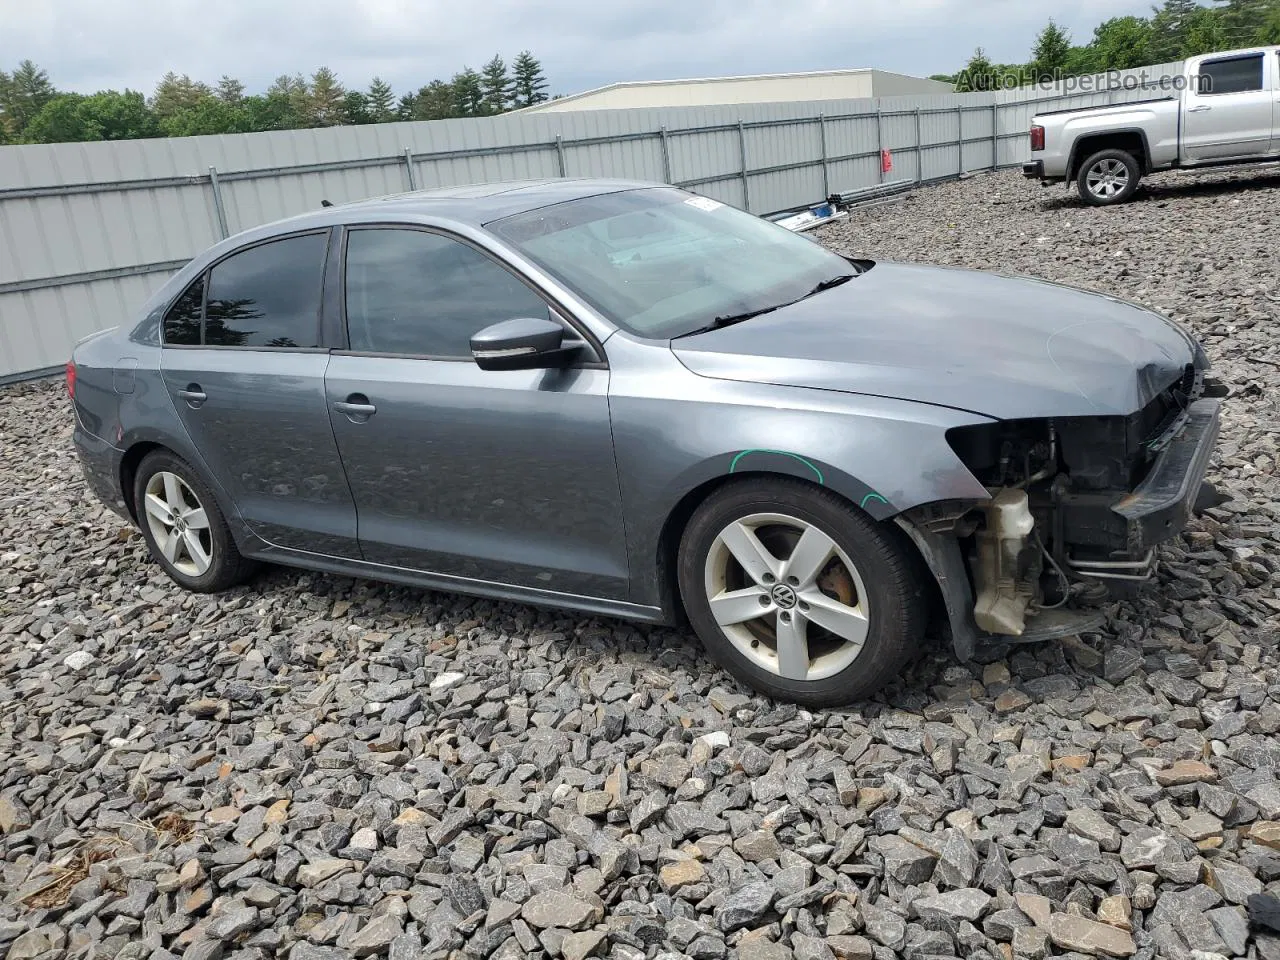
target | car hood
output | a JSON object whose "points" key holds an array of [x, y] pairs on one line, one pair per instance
{"points": [[1005, 347]]}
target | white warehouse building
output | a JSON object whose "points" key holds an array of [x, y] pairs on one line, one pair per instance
{"points": [[767, 88]]}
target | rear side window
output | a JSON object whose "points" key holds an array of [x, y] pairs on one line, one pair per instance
{"points": [[268, 295], [410, 292], [1236, 75], [182, 322]]}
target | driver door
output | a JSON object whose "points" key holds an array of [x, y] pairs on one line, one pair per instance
{"points": [[499, 476]]}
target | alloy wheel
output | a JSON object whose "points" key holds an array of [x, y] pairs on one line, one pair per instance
{"points": [[1108, 178], [786, 596], [178, 524]]}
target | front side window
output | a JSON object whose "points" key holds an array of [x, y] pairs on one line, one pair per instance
{"points": [[182, 322], [1236, 75], [422, 294], [659, 262], [268, 295]]}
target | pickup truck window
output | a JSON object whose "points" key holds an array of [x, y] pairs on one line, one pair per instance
{"points": [[1230, 75]]}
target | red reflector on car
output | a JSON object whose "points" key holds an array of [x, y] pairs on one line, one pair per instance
{"points": [[1037, 138], [71, 379]]}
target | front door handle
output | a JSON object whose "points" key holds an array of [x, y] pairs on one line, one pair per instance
{"points": [[357, 408], [1200, 109], [193, 395]]}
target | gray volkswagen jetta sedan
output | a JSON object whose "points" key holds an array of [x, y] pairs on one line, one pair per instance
{"points": [[628, 400]]}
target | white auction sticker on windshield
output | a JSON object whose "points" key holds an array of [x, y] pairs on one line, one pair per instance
{"points": [[704, 203]]}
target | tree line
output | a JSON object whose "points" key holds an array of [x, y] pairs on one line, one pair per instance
{"points": [[1175, 30], [33, 110]]}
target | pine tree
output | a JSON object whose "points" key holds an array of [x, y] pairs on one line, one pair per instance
{"points": [[468, 94], [407, 107], [1206, 32], [230, 91], [25, 93], [175, 93], [355, 108], [380, 101], [1049, 56], [324, 105], [496, 85], [979, 74], [436, 101], [1169, 25], [529, 86], [1245, 22]]}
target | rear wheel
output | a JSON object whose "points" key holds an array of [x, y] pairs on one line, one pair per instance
{"points": [[798, 594], [1108, 177], [184, 528]]}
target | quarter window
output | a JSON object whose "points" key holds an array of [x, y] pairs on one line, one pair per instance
{"points": [[1236, 75], [268, 295], [182, 322], [417, 293]]}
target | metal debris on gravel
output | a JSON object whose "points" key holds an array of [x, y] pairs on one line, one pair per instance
{"points": [[315, 767]]}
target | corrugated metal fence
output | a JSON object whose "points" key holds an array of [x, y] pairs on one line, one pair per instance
{"points": [[88, 230]]}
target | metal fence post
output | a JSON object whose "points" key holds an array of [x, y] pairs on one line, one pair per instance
{"points": [[408, 166], [218, 208], [960, 138], [880, 140], [995, 135], [560, 153], [826, 169], [919, 150], [666, 154], [742, 146]]}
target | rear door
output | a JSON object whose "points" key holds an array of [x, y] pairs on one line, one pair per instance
{"points": [[499, 476], [1228, 109], [244, 365]]}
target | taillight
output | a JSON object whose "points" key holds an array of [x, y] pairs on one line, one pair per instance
{"points": [[1037, 138], [71, 379]]}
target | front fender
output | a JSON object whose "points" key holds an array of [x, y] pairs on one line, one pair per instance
{"points": [[883, 455]]}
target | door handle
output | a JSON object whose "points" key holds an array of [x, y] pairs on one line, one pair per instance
{"points": [[1200, 109], [357, 407], [193, 395]]}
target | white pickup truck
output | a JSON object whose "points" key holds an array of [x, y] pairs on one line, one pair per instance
{"points": [[1225, 109]]}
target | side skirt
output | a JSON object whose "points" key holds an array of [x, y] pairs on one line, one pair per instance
{"points": [[259, 549]]}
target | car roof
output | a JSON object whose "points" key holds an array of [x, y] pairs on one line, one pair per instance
{"points": [[473, 204]]}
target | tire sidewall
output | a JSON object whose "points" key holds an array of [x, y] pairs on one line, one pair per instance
{"points": [[1135, 174], [225, 553], [875, 555]]}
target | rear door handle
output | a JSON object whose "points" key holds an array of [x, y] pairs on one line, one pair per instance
{"points": [[357, 407], [1200, 109], [193, 395]]}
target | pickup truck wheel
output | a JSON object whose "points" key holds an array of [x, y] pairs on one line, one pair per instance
{"points": [[798, 594], [1108, 177]]}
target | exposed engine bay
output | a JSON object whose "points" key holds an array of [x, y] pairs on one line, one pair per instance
{"points": [[1078, 506]]}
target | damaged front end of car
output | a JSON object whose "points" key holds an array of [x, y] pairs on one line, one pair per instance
{"points": [[1077, 508]]}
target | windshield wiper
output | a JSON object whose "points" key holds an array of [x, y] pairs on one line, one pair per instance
{"points": [[732, 318], [828, 284]]}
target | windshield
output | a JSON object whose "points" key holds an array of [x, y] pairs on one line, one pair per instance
{"points": [[660, 263]]}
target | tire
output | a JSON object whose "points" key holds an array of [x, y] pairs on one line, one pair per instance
{"points": [[205, 558], [884, 595], [1108, 177]]}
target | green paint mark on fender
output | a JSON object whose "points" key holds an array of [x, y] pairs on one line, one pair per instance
{"points": [[873, 496], [781, 453]]}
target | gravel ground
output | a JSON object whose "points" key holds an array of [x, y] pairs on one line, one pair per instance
{"points": [[316, 767]]}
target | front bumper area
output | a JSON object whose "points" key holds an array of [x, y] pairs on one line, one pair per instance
{"points": [[1163, 503]]}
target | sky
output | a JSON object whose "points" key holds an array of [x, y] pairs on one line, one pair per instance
{"points": [[87, 45]]}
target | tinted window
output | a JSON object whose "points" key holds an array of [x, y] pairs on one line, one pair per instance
{"points": [[1238, 75], [267, 296], [182, 322], [423, 294]]}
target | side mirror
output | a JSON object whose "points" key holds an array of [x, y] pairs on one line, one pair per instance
{"points": [[525, 343]]}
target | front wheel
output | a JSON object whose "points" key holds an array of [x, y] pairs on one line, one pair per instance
{"points": [[1108, 177], [184, 528], [798, 594]]}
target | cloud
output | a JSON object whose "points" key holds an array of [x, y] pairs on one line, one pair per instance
{"points": [[88, 45]]}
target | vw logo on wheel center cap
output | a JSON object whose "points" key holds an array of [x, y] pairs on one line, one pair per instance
{"points": [[784, 596]]}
